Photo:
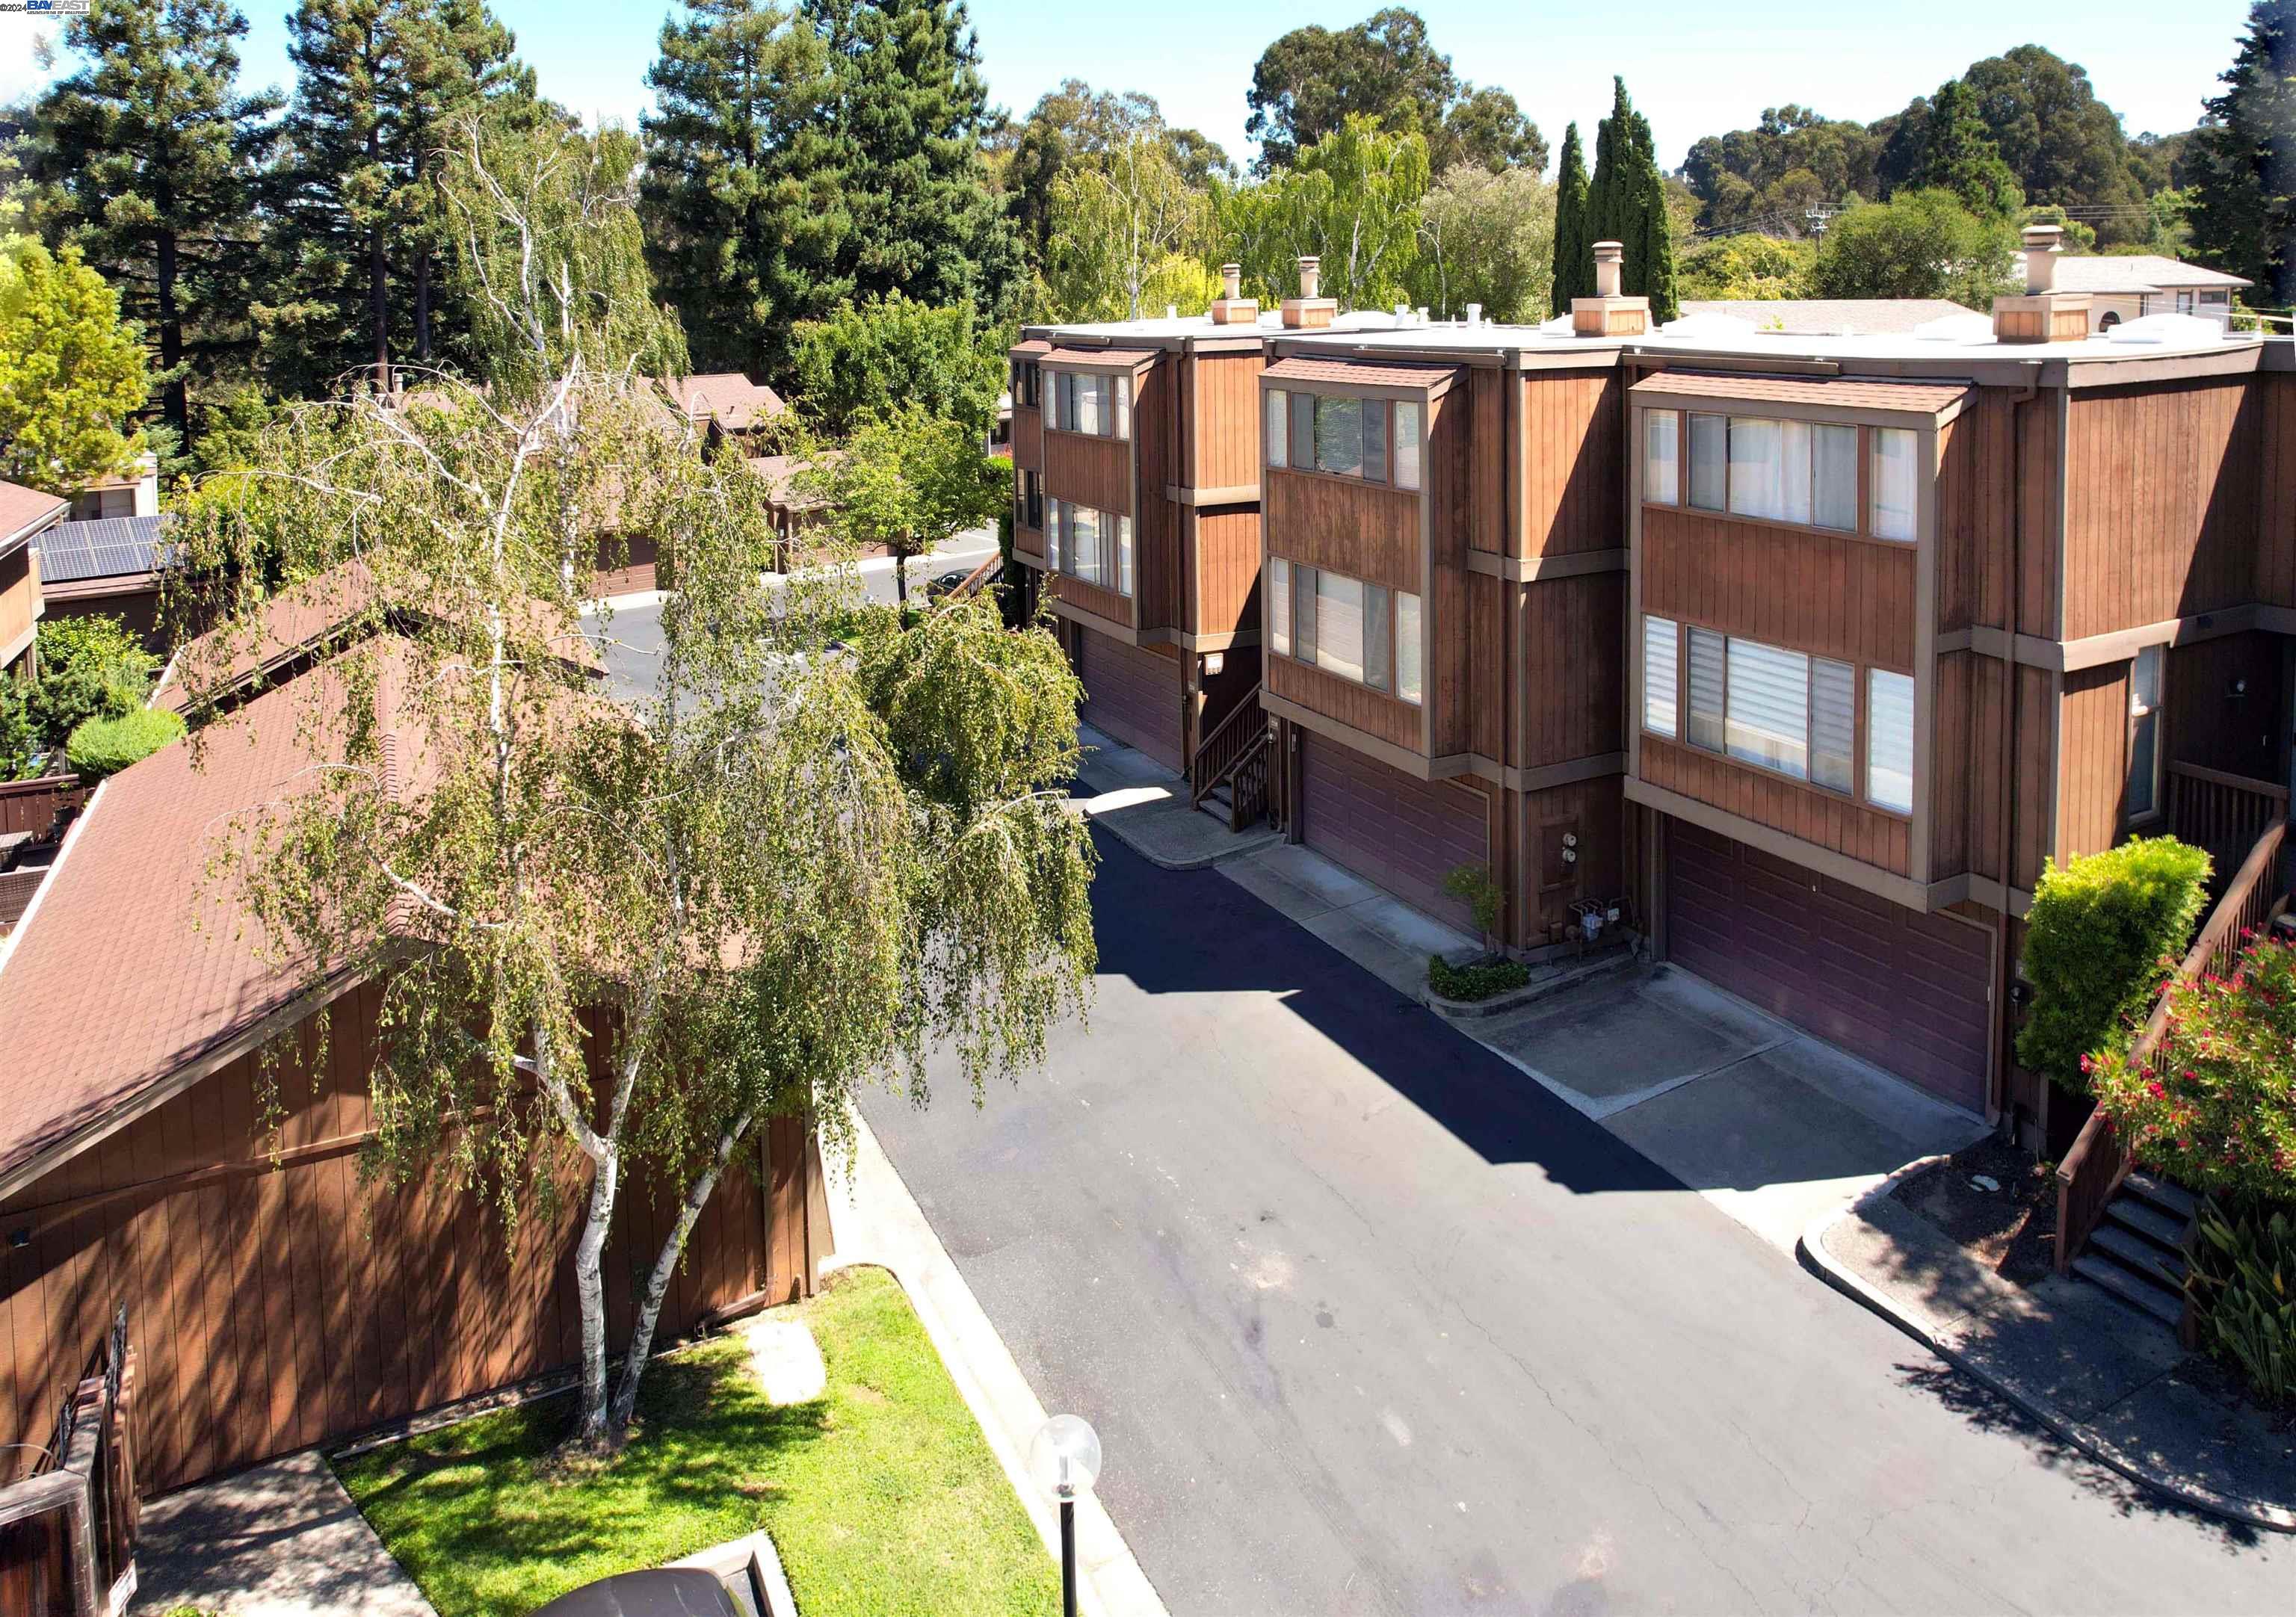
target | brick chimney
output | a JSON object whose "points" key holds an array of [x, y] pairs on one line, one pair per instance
{"points": [[1308, 311], [2041, 312], [1607, 313], [1231, 308]]}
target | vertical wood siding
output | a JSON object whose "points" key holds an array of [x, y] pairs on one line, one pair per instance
{"points": [[1227, 548], [1574, 671], [1792, 807], [1951, 777], [1481, 398], [1159, 566], [2093, 759], [1392, 721], [1091, 598], [2033, 804], [1977, 511], [1809, 592], [1089, 471], [1593, 810], [1574, 427], [2041, 453], [1362, 529], [2205, 723], [1223, 419], [277, 1307]]}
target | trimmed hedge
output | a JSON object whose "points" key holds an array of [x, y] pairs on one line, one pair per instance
{"points": [[2104, 931], [105, 746], [1477, 981]]}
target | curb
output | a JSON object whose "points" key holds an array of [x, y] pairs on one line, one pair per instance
{"points": [[1811, 1249]]}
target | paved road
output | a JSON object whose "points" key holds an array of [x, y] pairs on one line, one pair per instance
{"points": [[1369, 1323]]}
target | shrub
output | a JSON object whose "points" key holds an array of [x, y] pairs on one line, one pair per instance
{"points": [[105, 746], [1477, 981], [2216, 1111], [2104, 930], [90, 668], [2243, 1278], [1471, 885]]}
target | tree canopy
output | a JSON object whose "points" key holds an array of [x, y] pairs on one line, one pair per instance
{"points": [[2243, 216], [72, 372], [866, 359], [1958, 155], [1352, 200], [1918, 244]]}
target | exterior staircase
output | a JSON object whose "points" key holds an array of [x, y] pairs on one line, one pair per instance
{"points": [[1228, 778], [2137, 1251]]}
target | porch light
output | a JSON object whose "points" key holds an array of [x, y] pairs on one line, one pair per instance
{"points": [[1064, 1461]]}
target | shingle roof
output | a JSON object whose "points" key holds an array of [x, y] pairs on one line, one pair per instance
{"points": [[1917, 398], [22, 510], [1830, 316], [1099, 356], [110, 547], [1300, 370], [2132, 273], [727, 398]]}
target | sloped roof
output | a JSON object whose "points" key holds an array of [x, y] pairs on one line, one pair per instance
{"points": [[1341, 371], [1830, 316], [727, 398], [24, 509], [1122, 358], [1917, 398], [2132, 273], [109, 547]]}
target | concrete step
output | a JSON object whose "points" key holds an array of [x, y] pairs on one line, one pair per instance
{"points": [[2143, 1218], [2139, 1294], [2135, 1252], [2174, 1200]]}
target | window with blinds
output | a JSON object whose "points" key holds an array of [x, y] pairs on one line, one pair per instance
{"points": [[1769, 705], [1339, 625], [1708, 650], [1661, 458], [1661, 674], [1889, 740], [1279, 603], [1832, 725]]}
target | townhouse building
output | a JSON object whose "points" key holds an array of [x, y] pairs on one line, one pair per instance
{"points": [[1795, 655]]}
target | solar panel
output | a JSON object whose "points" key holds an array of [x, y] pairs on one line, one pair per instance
{"points": [[109, 547]]}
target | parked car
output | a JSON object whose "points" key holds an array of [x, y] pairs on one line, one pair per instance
{"points": [[946, 583]]}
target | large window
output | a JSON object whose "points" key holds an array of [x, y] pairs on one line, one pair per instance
{"points": [[1026, 377], [1090, 546], [1662, 457], [1893, 483], [1777, 470], [1361, 631], [1769, 707], [1710, 460], [1832, 725], [2143, 794], [1029, 500], [1889, 740], [1348, 438], [1661, 675], [1099, 406]]}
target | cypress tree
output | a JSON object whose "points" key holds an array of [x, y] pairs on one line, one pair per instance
{"points": [[1603, 199], [1574, 261], [2243, 216], [910, 110], [741, 194], [1627, 204], [1652, 249], [150, 154]]}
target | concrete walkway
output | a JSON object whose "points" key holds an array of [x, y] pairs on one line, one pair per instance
{"points": [[1146, 805], [876, 1221], [280, 1540]]}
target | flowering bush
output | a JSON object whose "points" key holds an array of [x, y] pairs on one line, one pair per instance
{"points": [[2216, 1107]]}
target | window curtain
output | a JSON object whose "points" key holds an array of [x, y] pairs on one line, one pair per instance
{"points": [[1836, 457], [1894, 482], [1661, 675], [1339, 625], [1279, 605], [1662, 464], [1408, 670], [1406, 445], [1889, 740]]}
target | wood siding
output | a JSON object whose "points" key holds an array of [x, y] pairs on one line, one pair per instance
{"points": [[1950, 777], [1795, 807], [1089, 471], [1478, 405], [1574, 461], [1839, 597], [1159, 569], [1091, 598], [1977, 509], [1449, 464], [1226, 552], [1220, 419], [2035, 481], [1027, 436], [275, 1307], [2208, 722], [1363, 530], [20, 596], [1595, 813], [2276, 492], [2160, 516], [1383, 716], [2033, 801], [2093, 759], [1573, 668]]}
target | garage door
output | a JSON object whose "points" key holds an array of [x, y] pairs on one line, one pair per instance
{"points": [[1134, 695], [1389, 828], [1903, 989]]}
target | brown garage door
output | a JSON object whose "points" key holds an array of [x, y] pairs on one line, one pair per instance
{"points": [[1133, 694], [1904, 990], [1389, 828]]}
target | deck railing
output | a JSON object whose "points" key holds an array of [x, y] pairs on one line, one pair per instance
{"points": [[2221, 812], [2093, 1171], [1224, 748], [68, 1529], [32, 807]]}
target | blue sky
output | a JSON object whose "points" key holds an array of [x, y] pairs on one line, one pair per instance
{"points": [[1693, 72]]}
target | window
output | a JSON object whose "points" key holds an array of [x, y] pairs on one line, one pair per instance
{"points": [[1661, 675], [1279, 604], [1406, 447], [1278, 433], [1710, 440], [1832, 725], [1706, 682], [1769, 469], [1769, 703], [2183, 303], [1833, 454], [1055, 517], [1083, 547], [2143, 796], [1379, 639], [1123, 405], [1339, 625], [1375, 442], [1893, 482], [1124, 556], [1662, 459], [1889, 740], [1091, 546], [1407, 677], [1303, 432], [1024, 382], [1100, 406], [1339, 435], [1303, 615], [1030, 499]]}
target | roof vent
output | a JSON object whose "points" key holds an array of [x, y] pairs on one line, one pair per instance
{"points": [[2178, 330], [1609, 312], [1232, 308], [2041, 313], [1308, 311]]}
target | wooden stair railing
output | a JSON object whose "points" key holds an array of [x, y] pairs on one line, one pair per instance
{"points": [[2093, 1171], [1224, 750], [971, 581], [2221, 812]]}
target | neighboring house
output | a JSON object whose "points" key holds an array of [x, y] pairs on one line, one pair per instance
{"points": [[277, 1296], [110, 566], [793, 511], [26, 514], [135, 494], [728, 402], [1801, 652], [2129, 286]]}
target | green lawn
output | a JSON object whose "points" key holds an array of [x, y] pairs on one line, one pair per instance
{"points": [[881, 1495]]}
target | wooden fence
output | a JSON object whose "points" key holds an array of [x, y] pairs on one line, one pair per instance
{"points": [[68, 1530], [32, 806], [2222, 814]]}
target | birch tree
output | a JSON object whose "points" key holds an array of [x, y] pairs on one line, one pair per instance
{"points": [[1117, 228], [612, 940]]}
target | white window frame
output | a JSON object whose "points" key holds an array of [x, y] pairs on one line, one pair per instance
{"points": [[2146, 672]]}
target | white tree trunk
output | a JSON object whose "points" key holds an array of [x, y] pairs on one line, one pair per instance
{"points": [[590, 1282], [664, 1264]]}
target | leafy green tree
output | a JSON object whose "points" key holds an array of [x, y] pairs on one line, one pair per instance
{"points": [[2243, 206], [1769, 175], [1489, 238], [2063, 144], [1747, 266], [1075, 126], [152, 154], [1487, 129], [1958, 156], [907, 480], [90, 668], [866, 359], [744, 207], [72, 372], [1351, 200], [908, 111], [1574, 244], [1918, 244], [1116, 225]]}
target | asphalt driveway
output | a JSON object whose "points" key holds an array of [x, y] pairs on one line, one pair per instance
{"points": [[1371, 1321]]}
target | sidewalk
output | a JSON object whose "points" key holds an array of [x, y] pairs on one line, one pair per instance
{"points": [[876, 1221], [1146, 805], [2104, 1378]]}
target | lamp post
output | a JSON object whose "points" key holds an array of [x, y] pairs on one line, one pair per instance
{"points": [[1064, 1461]]}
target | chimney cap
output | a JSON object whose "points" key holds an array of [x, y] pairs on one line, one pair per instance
{"points": [[1610, 249], [2044, 236]]}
